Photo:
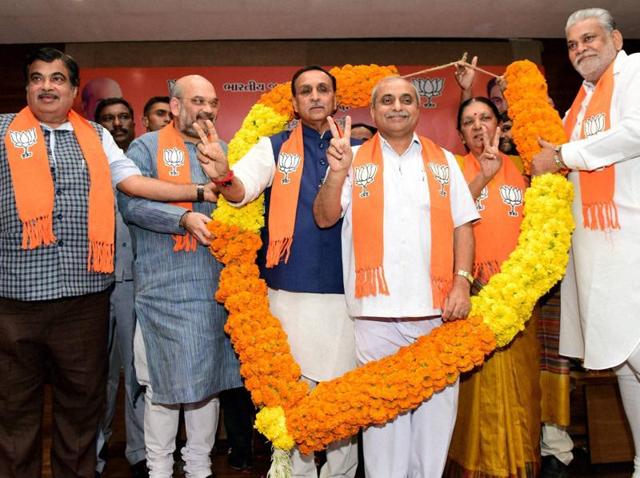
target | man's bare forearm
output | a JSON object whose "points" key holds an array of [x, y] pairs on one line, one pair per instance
{"points": [[326, 207], [158, 190]]}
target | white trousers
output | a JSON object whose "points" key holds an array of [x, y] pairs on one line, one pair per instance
{"points": [[342, 458], [161, 427], [415, 444], [629, 382]]}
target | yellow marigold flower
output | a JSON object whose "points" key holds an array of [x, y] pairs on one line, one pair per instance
{"points": [[271, 422]]}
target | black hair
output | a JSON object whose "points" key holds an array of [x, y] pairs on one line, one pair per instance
{"points": [[49, 55], [373, 129], [109, 102], [476, 99], [491, 83], [297, 74], [152, 101]]}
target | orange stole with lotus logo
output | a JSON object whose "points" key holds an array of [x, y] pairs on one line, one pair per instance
{"points": [[284, 197], [368, 219], [172, 162], [33, 187], [500, 205], [596, 187]]}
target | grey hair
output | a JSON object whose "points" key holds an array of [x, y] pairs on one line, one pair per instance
{"points": [[374, 92], [603, 16], [174, 88]]}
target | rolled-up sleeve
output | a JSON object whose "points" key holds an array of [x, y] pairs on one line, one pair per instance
{"points": [[121, 166], [463, 207], [256, 170]]}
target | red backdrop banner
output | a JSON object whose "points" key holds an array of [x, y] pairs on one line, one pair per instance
{"points": [[240, 87]]}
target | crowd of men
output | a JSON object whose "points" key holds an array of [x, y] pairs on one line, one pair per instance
{"points": [[368, 245]]}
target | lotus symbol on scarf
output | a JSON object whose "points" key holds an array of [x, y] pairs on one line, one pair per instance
{"points": [[364, 175], [24, 139], [512, 196], [594, 125], [429, 87], [484, 194], [173, 158], [287, 163], [441, 174]]}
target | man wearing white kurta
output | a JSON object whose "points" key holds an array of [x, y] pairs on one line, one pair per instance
{"points": [[600, 301], [414, 444]]}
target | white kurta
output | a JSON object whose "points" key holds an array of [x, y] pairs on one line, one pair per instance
{"points": [[600, 315], [407, 234]]}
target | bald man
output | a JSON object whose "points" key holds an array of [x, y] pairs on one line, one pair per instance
{"points": [[97, 90], [182, 354]]}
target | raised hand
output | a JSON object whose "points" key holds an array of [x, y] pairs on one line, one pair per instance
{"points": [[490, 159], [339, 154], [210, 154], [465, 75]]}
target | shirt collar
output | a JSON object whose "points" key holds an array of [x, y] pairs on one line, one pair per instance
{"points": [[415, 143]]}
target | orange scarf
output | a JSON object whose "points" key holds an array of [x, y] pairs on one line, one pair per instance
{"points": [[284, 197], [496, 235], [172, 160], [33, 187], [367, 216], [596, 187]]}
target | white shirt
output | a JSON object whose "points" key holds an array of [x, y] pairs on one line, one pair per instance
{"points": [[256, 170], [407, 234], [121, 167], [600, 298]]}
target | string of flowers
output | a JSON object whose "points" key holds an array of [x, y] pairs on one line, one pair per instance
{"points": [[531, 110], [378, 391]]}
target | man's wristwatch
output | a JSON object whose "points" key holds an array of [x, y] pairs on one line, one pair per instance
{"points": [[465, 274], [199, 192], [557, 157]]}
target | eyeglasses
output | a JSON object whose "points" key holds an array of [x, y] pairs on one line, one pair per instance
{"points": [[200, 101]]}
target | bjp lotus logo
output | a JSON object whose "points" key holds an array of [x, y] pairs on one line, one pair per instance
{"points": [[363, 176], [173, 158], [441, 174], [511, 196], [429, 88], [484, 194], [287, 164], [594, 125], [24, 139]]}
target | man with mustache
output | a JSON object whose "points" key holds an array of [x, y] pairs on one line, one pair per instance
{"points": [[116, 115], [182, 354], [407, 249], [299, 261], [57, 173], [600, 301]]}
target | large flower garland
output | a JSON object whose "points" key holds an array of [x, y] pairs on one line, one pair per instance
{"points": [[378, 391]]}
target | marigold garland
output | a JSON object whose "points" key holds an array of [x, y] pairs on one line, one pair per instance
{"points": [[530, 110], [378, 391]]}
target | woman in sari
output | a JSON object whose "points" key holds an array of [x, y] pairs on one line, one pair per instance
{"points": [[498, 427]]}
